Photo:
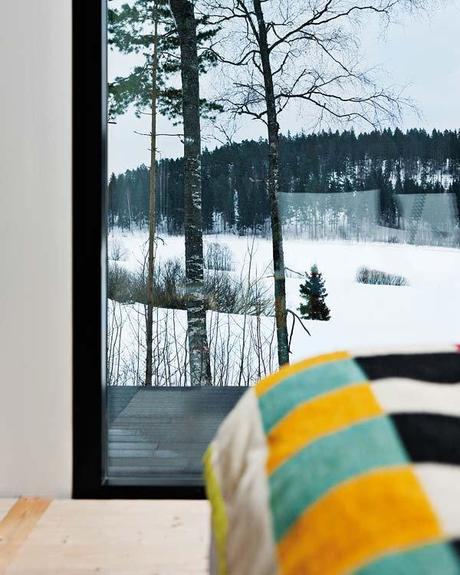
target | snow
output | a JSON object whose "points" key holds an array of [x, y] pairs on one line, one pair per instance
{"points": [[426, 312]]}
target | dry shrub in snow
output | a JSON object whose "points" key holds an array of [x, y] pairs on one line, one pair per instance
{"points": [[117, 253], [223, 292], [375, 277], [218, 257], [122, 285]]}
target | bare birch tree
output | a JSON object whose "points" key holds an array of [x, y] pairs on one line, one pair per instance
{"points": [[199, 361], [287, 50]]}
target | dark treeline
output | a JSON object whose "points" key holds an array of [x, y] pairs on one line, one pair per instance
{"points": [[234, 176]]}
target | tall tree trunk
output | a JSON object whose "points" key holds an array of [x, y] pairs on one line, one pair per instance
{"points": [[152, 208], [128, 203], [200, 367], [273, 189]]}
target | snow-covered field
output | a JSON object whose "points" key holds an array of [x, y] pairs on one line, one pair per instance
{"points": [[426, 312]]}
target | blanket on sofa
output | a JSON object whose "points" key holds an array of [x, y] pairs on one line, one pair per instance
{"points": [[342, 463]]}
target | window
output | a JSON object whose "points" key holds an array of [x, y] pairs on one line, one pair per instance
{"points": [[301, 203]]}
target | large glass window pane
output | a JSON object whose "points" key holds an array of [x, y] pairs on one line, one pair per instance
{"points": [[338, 189]]}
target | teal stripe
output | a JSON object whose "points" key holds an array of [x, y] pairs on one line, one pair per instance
{"points": [[300, 387], [433, 559], [327, 462]]}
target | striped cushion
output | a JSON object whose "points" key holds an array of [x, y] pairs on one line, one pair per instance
{"points": [[343, 463]]}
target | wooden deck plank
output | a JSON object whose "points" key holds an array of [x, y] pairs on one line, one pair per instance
{"points": [[118, 538], [153, 430], [17, 525]]}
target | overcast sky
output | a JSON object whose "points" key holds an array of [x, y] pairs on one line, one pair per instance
{"points": [[420, 53]]}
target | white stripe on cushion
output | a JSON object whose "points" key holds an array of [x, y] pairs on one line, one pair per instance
{"points": [[397, 395], [442, 485]]}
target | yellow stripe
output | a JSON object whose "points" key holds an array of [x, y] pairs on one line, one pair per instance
{"points": [[218, 515], [317, 417], [289, 370], [372, 514]]}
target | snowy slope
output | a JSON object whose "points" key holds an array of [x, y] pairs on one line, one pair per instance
{"points": [[425, 312]]}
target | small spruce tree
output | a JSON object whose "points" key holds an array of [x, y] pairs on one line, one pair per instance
{"points": [[314, 293]]}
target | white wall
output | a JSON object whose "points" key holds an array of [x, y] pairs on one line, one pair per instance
{"points": [[35, 248]]}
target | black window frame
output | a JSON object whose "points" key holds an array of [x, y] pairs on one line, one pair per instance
{"points": [[89, 235]]}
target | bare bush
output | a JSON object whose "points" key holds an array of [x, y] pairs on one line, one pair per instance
{"points": [[120, 284], [376, 277], [223, 293], [117, 253], [169, 285], [218, 257]]}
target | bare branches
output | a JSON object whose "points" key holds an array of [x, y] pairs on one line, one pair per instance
{"points": [[314, 56], [303, 326], [227, 131]]}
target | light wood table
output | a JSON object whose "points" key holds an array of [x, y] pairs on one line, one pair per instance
{"points": [[72, 537]]}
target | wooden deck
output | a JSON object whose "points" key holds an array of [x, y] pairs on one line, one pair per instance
{"points": [[154, 432], [38, 537]]}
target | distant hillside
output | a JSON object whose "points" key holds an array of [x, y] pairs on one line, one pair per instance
{"points": [[234, 176]]}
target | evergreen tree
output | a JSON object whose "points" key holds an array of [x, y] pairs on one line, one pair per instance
{"points": [[235, 177], [129, 29], [314, 293]]}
